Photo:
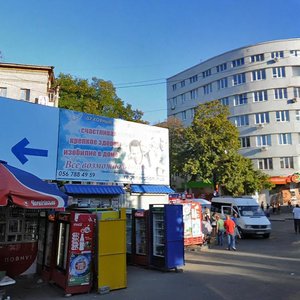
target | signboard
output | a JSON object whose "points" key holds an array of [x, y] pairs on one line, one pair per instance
{"points": [[61, 144], [95, 148], [29, 136]]}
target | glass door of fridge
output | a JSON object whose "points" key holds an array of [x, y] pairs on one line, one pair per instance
{"points": [[129, 232], [141, 238], [158, 234], [62, 247]]}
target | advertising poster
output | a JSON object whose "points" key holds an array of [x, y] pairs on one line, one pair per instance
{"points": [[95, 148], [80, 269]]}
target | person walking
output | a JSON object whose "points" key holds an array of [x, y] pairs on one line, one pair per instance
{"points": [[230, 228], [296, 215], [220, 230]]}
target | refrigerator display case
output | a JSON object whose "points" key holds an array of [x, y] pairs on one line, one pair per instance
{"points": [[73, 252], [141, 237], [167, 239], [129, 236]]}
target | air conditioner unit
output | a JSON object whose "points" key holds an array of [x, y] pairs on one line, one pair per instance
{"points": [[173, 107], [275, 59], [260, 125], [263, 148], [294, 100]]}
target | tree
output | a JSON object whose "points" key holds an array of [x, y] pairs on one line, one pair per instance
{"points": [[98, 97], [176, 139], [210, 152]]}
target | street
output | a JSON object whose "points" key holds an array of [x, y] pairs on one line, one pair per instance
{"points": [[260, 269]]}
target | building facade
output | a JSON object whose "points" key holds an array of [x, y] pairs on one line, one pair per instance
{"points": [[261, 86], [28, 83]]}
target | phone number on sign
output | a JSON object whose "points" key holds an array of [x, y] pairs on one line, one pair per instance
{"points": [[76, 174]]}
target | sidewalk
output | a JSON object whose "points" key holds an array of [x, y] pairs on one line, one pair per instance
{"points": [[281, 217]]}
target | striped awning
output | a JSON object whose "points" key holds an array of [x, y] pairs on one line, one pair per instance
{"points": [[150, 189], [85, 189]]}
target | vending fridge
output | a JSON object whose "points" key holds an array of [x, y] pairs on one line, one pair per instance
{"points": [[74, 251], [167, 239], [129, 236], [141, 237]]}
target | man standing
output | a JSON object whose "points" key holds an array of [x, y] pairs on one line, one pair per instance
{"points": [[230, 226], [296, 214]]}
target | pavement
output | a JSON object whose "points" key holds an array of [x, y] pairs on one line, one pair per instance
{"points": [[32, 287]]}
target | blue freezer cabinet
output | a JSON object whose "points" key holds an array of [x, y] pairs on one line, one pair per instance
{"points": [[166, 236]]}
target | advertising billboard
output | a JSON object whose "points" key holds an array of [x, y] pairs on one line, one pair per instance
{"points": [[95, 148]]}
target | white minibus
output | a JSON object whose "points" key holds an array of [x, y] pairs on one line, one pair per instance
{"points": [[251, 219]]}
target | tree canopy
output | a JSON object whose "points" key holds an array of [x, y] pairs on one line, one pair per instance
{"points": [[208, 151], [96, 97]]}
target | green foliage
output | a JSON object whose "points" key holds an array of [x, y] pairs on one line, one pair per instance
{"points": [[98, 97], [208, 150]]}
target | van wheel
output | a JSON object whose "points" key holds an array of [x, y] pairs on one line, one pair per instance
{"points": [[266, 235]]}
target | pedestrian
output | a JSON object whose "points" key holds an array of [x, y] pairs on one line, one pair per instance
{"points": [[214, 224], [296, 215], [220, 230], [262, 206], [278, 208], [230, 227], [236, 230]]}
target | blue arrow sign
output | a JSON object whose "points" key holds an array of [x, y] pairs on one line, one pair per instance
{"points": [[20, 150]]}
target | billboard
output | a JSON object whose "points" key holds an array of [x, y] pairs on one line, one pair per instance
{"points": [[95, 148], [29, 136]]}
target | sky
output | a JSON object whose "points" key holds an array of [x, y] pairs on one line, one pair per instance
{"points": [[137, 44]]}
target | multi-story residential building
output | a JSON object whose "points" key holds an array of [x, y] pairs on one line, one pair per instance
{"points": [[28, 83], [261, 86]]}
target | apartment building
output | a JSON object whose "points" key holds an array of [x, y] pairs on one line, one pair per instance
{"points": [[261, 86], [28, 83]]}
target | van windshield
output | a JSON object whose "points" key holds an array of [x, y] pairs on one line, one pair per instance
{"points": [[250, 211]]}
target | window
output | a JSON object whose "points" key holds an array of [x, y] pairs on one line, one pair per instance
{"points": [[241, 120], [285, 139], [222, 67], [258, 75], [239, 79], [183, 115], [182, 83], [174, 87], [297, 92], [277, 54], [193, 78], [222, 83], [245, 142], [194, 94], [3, 91], [183, 98], [257, 57], [281, 93], [174, 102], [297, 115], [295, 52], [207, 88], [206, 73], [282, 116], [237, 62], [265, 164], [260, 96], [286, 163], [192, 113], [224, 101], [278, 72], [25, 94], [263, 140], [262, 118], [240, 99]]}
